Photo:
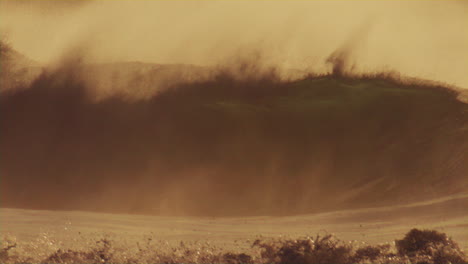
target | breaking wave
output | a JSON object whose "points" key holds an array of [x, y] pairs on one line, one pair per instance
{"points": [[223, 145]]}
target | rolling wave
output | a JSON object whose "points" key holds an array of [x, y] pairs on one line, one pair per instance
{"points": [[230, 146]]}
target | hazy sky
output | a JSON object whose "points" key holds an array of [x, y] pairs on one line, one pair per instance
{"points": [[427, 39]]}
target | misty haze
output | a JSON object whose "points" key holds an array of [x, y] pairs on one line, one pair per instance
{"points": [[233, 131]]}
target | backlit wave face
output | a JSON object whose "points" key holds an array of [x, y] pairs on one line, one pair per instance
{"points": [[229, 146]]}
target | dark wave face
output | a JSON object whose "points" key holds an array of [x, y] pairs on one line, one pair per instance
{"points": [[230, 146]]}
